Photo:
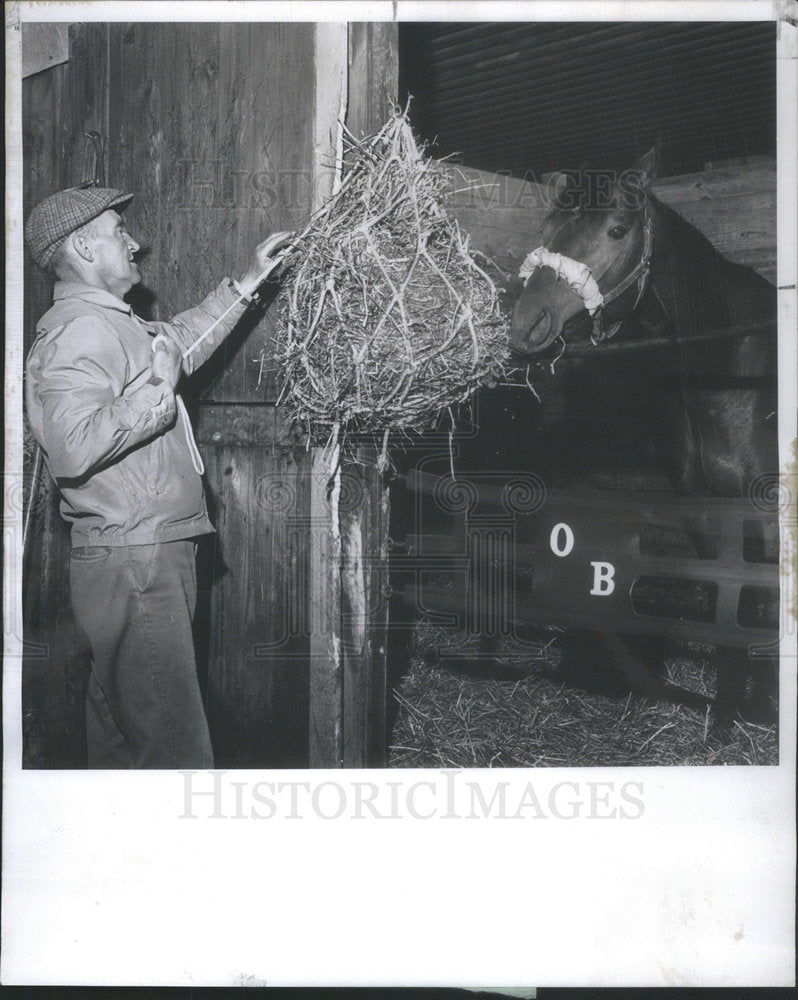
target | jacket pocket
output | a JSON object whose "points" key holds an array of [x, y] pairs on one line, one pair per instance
{"points": [[86, 554]]}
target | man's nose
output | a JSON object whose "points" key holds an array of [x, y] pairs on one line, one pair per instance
{"points": [[132, 244]]}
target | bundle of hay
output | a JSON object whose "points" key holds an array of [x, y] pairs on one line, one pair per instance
{"points": [[386, 318]]}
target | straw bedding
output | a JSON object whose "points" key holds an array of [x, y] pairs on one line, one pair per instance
{"points": [[387, 319], [527, 716]]}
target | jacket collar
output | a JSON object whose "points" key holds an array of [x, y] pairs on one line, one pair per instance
{"points": [[65, 290]]}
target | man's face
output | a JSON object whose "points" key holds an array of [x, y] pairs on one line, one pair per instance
{"points": [[113, 249]]}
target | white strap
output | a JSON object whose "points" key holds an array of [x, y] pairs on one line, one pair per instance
{"points": [[273, 263], [196, 458], [193, 450]]}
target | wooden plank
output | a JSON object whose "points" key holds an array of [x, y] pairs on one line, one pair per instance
{"points": [[718, 183], [259, 427], [137, 56], [44, 46], [735, 208], [59, 106], [363, 503], [363, 510], [261, 173], [44, 137], [252, 636], [326, 658], [89, 104], [373, 74]]}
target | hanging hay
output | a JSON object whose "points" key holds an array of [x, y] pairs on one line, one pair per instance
{"points": [[386, 320]]}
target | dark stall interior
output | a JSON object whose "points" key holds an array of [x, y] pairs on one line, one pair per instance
{"points": [[528, 99]]}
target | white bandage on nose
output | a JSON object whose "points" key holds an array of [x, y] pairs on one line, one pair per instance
{"points": [[577, 276]]}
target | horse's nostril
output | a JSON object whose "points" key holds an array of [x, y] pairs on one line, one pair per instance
{"points": [[540, 327]]}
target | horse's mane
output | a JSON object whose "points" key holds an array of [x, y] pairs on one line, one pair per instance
{"points": [[699, 288]]}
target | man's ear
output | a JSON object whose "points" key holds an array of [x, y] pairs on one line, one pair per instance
{"points": [[81, 246]]}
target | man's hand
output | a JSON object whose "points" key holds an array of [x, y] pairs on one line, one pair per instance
{"points": [[262, 259], [167, 361]]}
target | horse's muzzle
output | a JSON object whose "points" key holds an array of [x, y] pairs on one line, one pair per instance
{"points": [[530, 339]]}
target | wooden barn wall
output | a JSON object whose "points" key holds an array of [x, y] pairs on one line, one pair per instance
{"points": [[212, 127], [218, 151], [735, 208], [53, 677], [60, 106]]}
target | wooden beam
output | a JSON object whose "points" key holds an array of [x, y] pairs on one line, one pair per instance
{"points": [[325, 747], [363, 506], [357, 74], [373, 74], [735, 208], [43, 46]]}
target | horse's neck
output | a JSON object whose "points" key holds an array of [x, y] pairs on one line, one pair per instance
{"points": [[697, 287]]}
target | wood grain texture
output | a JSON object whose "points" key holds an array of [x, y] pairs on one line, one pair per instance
{"points": [[324, 596], [349, 562], [364, 512], [264, 176], [363, 507], [373, 74], [735, 208], [59, 106], [213, 131], [252, 617], [88, 107], [324, 582]]}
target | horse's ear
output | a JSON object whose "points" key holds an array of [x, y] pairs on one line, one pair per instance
{"points": [[647, 167], [559, 186]]}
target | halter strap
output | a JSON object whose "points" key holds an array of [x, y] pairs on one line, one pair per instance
{"points": [[581, 280], [638, 274], [641, 272]]}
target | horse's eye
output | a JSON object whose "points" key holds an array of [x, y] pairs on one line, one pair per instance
{"points": [[618, 232]]}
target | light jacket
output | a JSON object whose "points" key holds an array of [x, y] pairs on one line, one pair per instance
{"points": [[119, 447]]}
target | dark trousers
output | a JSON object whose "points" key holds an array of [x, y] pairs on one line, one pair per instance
{"points": [[135, 605]]}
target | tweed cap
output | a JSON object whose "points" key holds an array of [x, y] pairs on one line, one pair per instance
{"points": [[53, 219]]}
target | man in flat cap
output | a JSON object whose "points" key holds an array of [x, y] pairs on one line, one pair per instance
{"points": [[116, 438]]}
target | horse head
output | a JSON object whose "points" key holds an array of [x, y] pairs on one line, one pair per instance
{"points": [[598, 245]]}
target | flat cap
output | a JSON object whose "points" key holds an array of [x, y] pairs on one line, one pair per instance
{"points": [[53, 219]]}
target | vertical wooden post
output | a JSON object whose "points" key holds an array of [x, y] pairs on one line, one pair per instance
{"points": [[373, 90], [325, 747], [356, 74], [325, 738]]}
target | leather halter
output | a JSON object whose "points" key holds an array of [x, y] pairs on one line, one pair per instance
{"points": [[639, 274]]}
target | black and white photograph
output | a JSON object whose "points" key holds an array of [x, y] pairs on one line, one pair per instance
{"points": [[401, 425]]}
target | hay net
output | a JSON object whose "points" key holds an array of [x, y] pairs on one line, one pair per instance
{"points": [[386, 320]]}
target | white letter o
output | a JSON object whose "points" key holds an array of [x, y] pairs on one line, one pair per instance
{"points": [[554, 539]]}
